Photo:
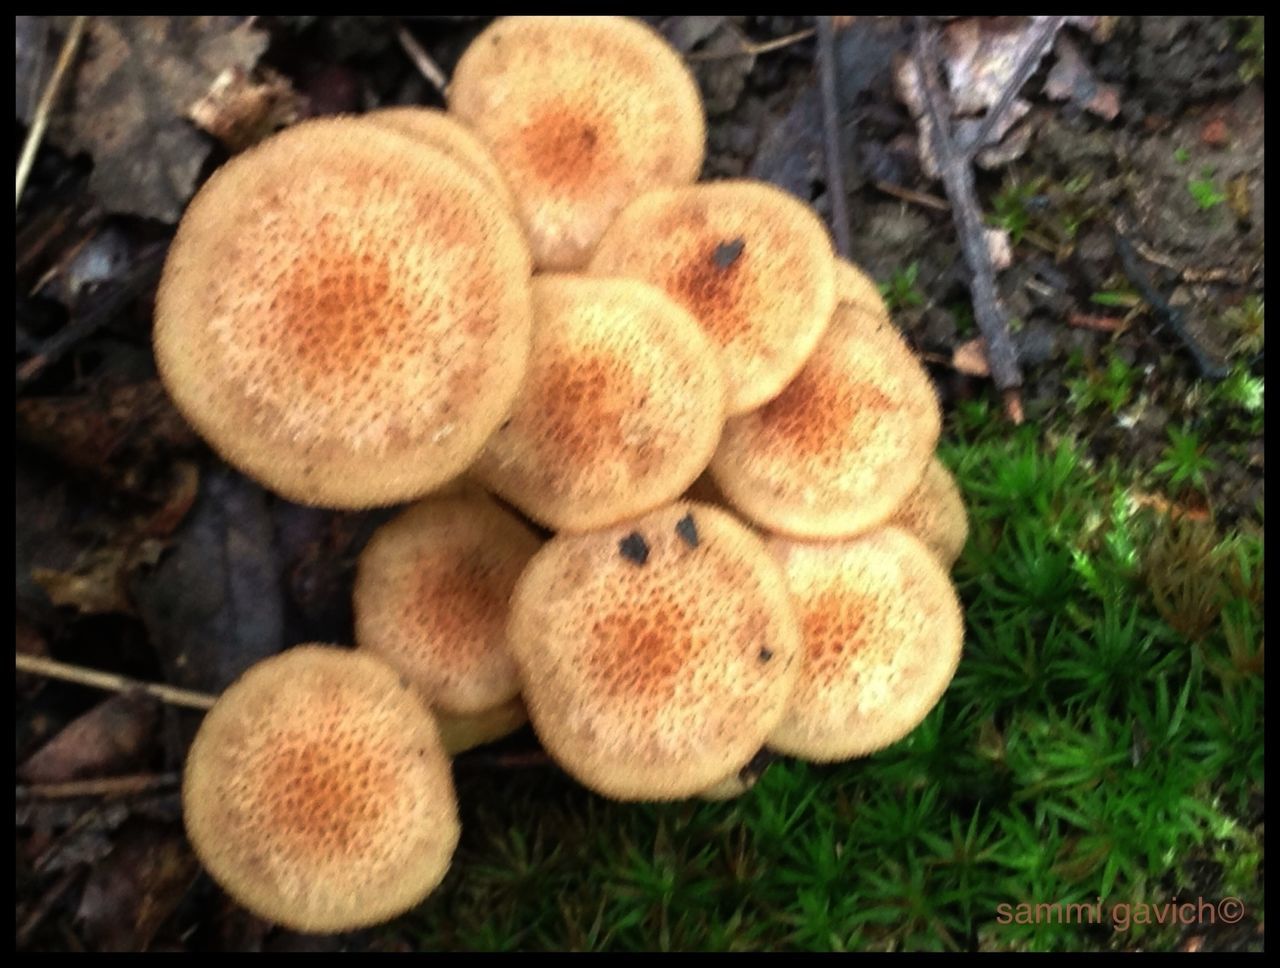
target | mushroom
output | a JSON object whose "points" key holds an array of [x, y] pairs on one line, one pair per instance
{"points": [[317, 794], [459, 733], [344, 314], [432, 590], [934, 513], [751, 263], [583, 114], [845, 442], [439, 130], [857, 288], [655, 655], [621, 409], [882, 638]]}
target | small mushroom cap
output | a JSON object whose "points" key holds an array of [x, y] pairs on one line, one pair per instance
{"points": [[464, 732], [344, 314], [843, 445], [317, 794], [621, 409], [439, 130], [432, 590], [855, 287], [655, 655], [882, 632], [751, 263], [934, 513], [583, 114]]}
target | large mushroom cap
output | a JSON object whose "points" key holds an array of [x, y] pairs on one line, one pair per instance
{"points": [[583, 114], [751, 263], [344, 314], [934, 513], [432, 591], [656, 655], [439, 130], [843, 444], [882, 638], [621, 408], [317, 793]]}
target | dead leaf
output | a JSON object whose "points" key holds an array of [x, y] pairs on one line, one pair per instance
{"points": [[1238, 197], [115, 736], [131, 894], [135, 82], [980, 55], [240, 110], [970, 358], [684, 32], [214, 604], [97, 582], [791, 148], [1071, 79]]}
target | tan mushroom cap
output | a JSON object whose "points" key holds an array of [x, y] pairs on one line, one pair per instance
{"points": [[432, 591], [439, 130], [317, 793], [855, 287], [934, 513], [655, 655], [344, 314], [843, 445], [751, 263], [882, 631], [621, 408], [461, 733], [583, 114]]}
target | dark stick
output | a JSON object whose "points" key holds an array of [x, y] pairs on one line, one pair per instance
{"points": [[957, 178], [831, 132], [1171, 315], [1046, 30]]}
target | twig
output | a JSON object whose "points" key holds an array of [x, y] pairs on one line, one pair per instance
{"points": [[1045, 31], [421, 59], [107, 786], [957, 178], [923, 199], [752, 49], [35, 134], [110, 681], [1171, 315], [831, 131]]}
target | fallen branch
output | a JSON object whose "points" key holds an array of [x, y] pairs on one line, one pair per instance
{"points": [[35, 134], [427, 67], [831, 136], [111, 682]]}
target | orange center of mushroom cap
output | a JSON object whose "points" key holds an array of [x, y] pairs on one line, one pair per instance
{"points": [[362, 318], [583, 403], [566, 150], [711, 282], [832, 621], [642, 647]]}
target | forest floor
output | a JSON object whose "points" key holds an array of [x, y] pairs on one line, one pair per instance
{"points": [[1102, 743]]}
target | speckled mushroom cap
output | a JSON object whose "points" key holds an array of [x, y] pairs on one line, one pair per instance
{"points": [[882, 638], [431, 595], [446, 133], [855, 287], [344, 314], [843, 445], [934, 513], [655, 655], [317, 794], [621, 409], [583, 114], [751, 263]]}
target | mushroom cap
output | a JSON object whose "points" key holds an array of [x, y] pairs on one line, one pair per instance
{"points": [[753, 265], [583, 114], [934, 513], [432, 590], [655, 655], [317, 794], [843, 445], [344, 314], [856, 287], [621, 408], [460, 733], [446, 133], [882, 636]]}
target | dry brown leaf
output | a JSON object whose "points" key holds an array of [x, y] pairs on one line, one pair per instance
{"points": [[135, 82], [1071, 79], [240, 110], [113, 737], [970, 358]]}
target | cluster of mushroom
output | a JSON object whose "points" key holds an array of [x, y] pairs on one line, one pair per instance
{"points": [[528, 297]]}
